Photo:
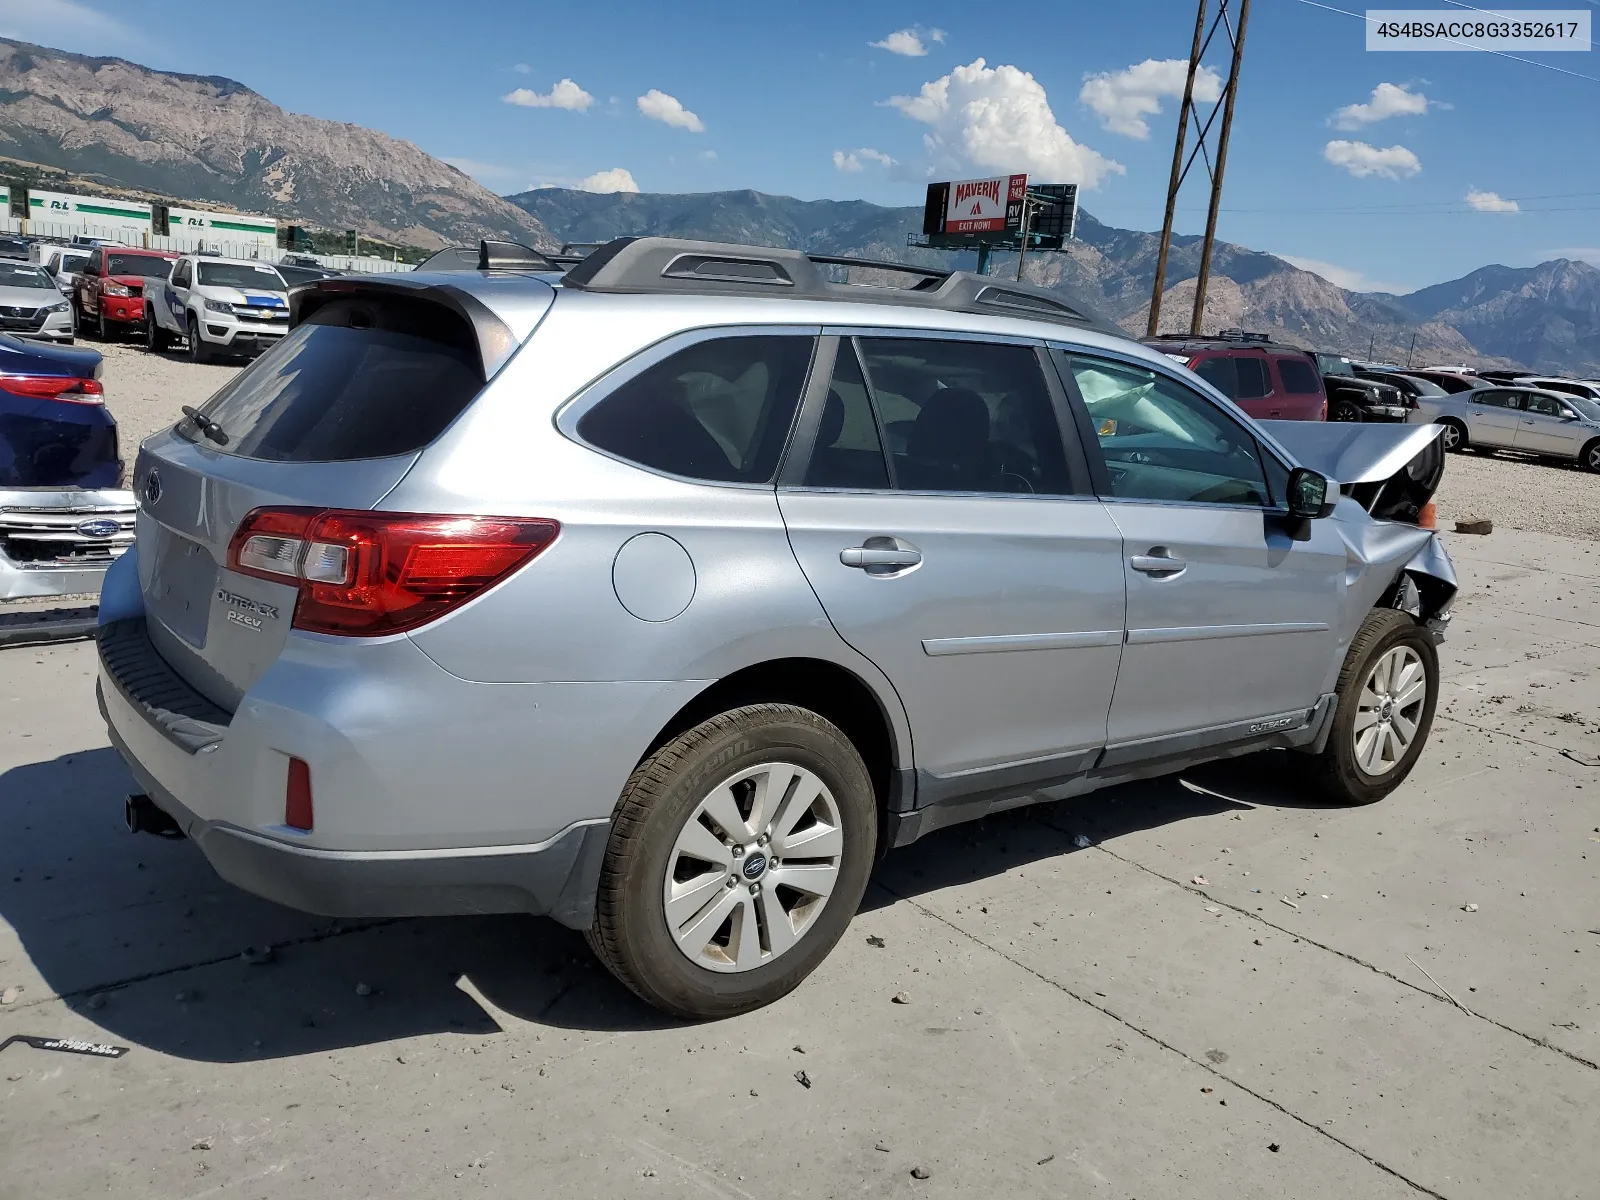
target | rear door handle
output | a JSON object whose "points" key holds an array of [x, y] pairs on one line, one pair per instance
{"points": [[875, 556], [1158, 562]]}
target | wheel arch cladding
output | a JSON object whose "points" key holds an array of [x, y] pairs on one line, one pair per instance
{"points": [[827, 689]]}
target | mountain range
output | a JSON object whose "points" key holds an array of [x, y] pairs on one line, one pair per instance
{"points": [[75, 122]]}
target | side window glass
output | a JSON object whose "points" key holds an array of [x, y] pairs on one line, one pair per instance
{"points": [[1299, 377], [1545, 406], [718, 410], [1161, 441], [1253, 380], [92, 267], [849, 452], [1220, 373], [966, 416]]}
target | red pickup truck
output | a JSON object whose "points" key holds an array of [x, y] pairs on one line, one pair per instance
{"points": [[108, 295]]}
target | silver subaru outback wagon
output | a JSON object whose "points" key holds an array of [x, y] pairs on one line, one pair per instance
{"points": [[662, 596]]}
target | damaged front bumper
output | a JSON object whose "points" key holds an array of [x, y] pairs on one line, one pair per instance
{"points": [[59, 541]]}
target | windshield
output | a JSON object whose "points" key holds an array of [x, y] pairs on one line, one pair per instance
{"points": [[20, 275], [240, 275], [1334, 364], [1588, 409], [138, 264]]}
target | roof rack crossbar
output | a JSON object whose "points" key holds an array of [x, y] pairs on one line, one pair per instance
{"points": [[512, 256], [675, 265]]}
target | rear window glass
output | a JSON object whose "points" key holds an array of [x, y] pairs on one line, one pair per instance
{"points": [[239, 275], [1221, 374], [1299, 377], [1253, 379], [138, 264], [719, 410], [356, 380]]}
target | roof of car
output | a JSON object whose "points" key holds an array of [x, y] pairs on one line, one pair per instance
{"points": [[1202, 342], [231, 262]]}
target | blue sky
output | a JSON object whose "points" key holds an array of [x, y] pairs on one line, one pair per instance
{"points": [[1358, 162]]}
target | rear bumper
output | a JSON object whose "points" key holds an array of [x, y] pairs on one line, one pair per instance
{"points": [[433, 796], [556, 878]]}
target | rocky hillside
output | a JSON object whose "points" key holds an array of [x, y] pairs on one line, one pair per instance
{"points": [[1544, 317], [204, 138]]}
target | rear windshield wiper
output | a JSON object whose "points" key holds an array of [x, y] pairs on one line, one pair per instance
{"points": [[206, 425]]}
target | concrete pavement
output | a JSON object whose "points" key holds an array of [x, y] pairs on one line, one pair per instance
{"points": [[1319, 1018]]}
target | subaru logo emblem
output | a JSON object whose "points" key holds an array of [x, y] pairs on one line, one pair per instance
{"points": [[98, 527], [152, 487], [754, 866]]}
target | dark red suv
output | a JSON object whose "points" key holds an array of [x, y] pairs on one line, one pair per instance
{"points": [[1269, 381]]}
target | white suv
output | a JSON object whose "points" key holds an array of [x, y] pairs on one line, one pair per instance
{"points": [[219, 306]]}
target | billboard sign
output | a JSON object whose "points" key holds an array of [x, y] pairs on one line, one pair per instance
{"points": [[984, 205], [89, 212]]}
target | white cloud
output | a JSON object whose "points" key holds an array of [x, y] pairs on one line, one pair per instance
{"points": [[617, 179], [522, 69], [1388, 100], [1346, 277], [1491, 202], [1123, 99], [659, 106], [565, 94], [999, 118], [851, 160], [1362, 160], [68, 24], [908, 42], [707, 156]]}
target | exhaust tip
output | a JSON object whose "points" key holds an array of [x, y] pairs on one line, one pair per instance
{"points": [[144, 815]]}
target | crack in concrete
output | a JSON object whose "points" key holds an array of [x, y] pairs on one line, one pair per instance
{"points": [[1155, 1039], [1347, 956]]}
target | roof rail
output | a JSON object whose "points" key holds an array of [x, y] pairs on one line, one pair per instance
{"points": [[1242, 335], [680, 266]]}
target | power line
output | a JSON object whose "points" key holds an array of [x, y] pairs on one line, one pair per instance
{"points": [[1497, 53]]}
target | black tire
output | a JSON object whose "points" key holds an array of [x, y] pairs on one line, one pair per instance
{"points": [[630, 934], [155, 337], [106, 329], [1589, 456], [198, 351], [1456, 430], [1338, 775], [1346, 410]]}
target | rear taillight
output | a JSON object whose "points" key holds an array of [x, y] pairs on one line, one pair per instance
{"points": [[297, 810], [364, 574], [54, 387]]}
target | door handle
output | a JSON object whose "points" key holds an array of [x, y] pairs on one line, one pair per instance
{"points": [[1159, 562], [879, 556]]}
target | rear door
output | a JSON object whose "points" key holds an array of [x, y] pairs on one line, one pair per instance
{"points": [[1256, 393], [1300, 386], [968, 562], [1492, 416], [1231, 623], [1545, 427], [332, 418]]}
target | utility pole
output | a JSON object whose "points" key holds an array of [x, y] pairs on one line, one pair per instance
{"points": [[1231, 19]]}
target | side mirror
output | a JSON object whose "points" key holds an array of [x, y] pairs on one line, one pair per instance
{"points": [[1311, 495]]}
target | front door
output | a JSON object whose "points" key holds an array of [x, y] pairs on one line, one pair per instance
{"points": [[1544, 427], [965, 562], [1232, 625], [1492, 416]]}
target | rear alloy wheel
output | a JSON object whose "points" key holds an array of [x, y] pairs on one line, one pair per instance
{"points": [[739, 852], [1454, 436], [1345, 410], [1387, 691], [1589, 456]]}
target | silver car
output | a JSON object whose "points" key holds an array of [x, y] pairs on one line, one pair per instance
{"points": [[31, 306], [1530, 420], [663, 596]]}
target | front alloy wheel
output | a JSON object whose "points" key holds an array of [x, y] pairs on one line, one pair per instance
{"points": [[1346, 411], [1389, 710], [753, 868]]}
